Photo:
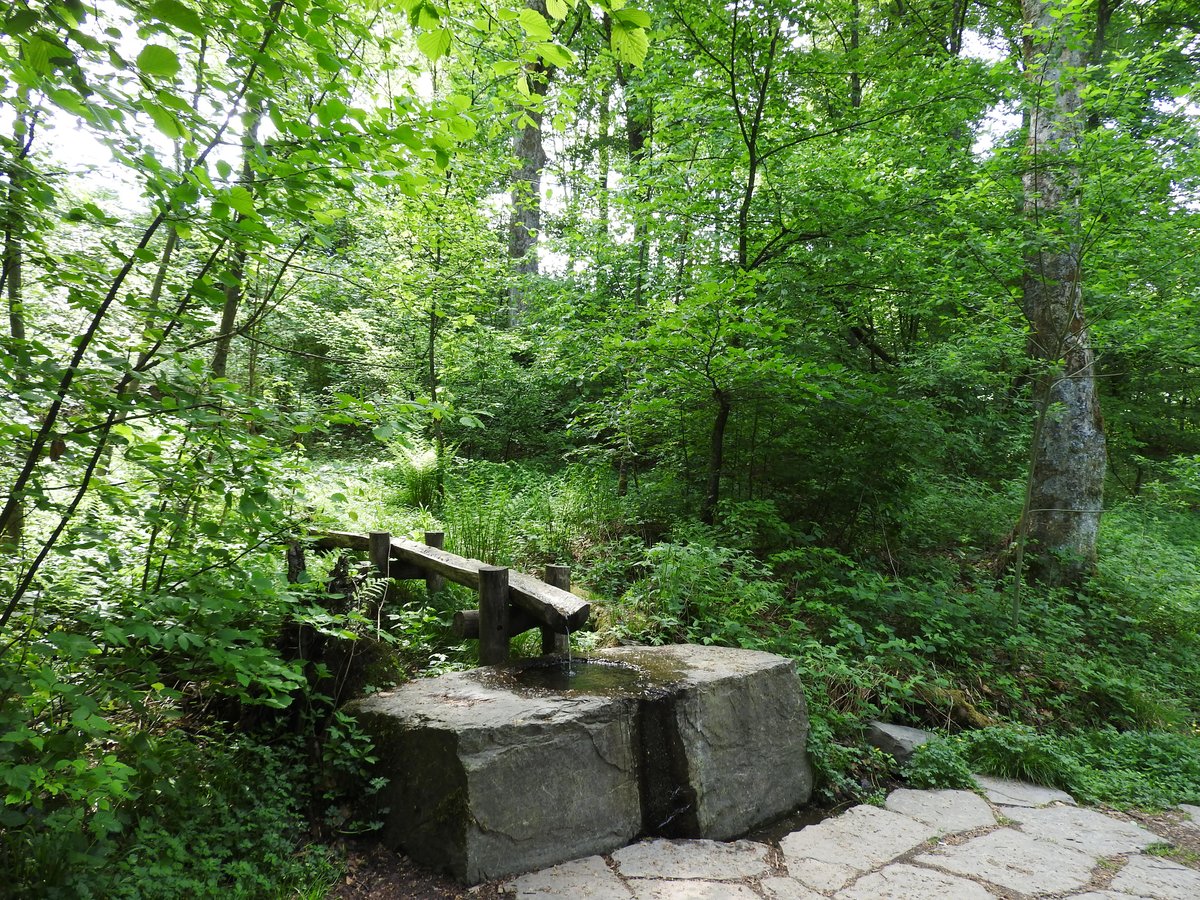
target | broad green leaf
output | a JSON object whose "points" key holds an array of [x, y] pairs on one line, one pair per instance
{"points": [[555, 55], [557, 9], [535, 25], [158, 60], [633, 18], [434, 44], [175, 13], [164, 120], [331, 111], [241, 200], [630, 44]]}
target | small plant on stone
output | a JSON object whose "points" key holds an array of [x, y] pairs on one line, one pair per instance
{"points": [[938, 764]]}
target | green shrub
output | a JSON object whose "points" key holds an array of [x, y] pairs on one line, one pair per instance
{"points": [[938, 764]]}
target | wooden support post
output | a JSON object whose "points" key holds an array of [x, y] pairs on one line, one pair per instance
{"points": [[466, 623], [554, 642], [379, 548], [433, 581], [493, 615]]}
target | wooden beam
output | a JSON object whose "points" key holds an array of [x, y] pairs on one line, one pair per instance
{"points": [[466, 623], [559, 610], [556, 642]]}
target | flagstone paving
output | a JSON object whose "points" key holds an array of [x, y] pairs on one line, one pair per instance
{"points": [[1023, 841]]}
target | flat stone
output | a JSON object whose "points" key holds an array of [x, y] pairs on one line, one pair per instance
{"points": [[948, 811], [645, 889], [1100, 895], [904, 882], [1160, 879], [1193, 812], [1087, 830], [684, 860], [863, 838], [899, 741], [1007, 792], [787, 889], [1016, 861], [725, 752], [822, 876], [589, 878]]}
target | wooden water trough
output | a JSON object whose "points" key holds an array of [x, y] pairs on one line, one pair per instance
{"points": [[509, 602]]}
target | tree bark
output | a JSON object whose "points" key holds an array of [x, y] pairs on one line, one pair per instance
{"points": [[1067, 461]]}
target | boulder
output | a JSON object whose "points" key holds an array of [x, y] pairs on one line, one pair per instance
{"points": [[489, 776], [899, 741]]}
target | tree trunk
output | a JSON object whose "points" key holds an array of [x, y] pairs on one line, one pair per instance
{"points": [[12, 276], [526, 220], [1067, 461], [716, 459]]}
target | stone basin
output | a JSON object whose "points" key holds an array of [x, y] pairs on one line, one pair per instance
{"points": [[499, 771]]}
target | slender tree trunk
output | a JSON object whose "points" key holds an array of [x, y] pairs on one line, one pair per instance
{"points": [[526, 221], [13, 264], [235, 289], [1067, 463], [716, 458]]}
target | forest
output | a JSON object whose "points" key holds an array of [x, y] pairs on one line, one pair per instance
{"points": [[866, 332]]}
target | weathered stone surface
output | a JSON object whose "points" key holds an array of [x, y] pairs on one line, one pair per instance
{"points": [[491, 779], [1101, 895], [1159, 879], [948, 811], [904, 882], [820, 875], [861, 839], [1085, 830], [486, 783], [710, 860], [1007, 792], [724, 751], [1016, 861], [581, 879], [1193, 812], [690, 890], [899, 741], [787, 889]]}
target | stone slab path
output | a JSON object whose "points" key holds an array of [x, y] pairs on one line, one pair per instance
{"points": [[1022, 841]]}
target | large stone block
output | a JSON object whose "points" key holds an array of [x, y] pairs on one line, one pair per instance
{"points": [[484, 782], [491, 774], [723, 751]]}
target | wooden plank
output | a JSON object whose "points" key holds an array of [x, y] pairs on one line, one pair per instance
{"points": [[434, 582], [466, 623], [560, 610], [493, 615]]}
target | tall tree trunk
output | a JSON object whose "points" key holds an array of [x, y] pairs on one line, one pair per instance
{"points": [[716, 458], [526, 221], [235, 288], [12, 276], [1067, 460]]}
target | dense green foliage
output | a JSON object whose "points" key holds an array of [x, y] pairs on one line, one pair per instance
{"points": [[763, 380]]}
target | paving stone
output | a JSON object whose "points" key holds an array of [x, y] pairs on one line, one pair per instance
{"points": [[1101, 895], [693, 860], [1160, 879], [862, 839], [588, 879], [1007, 792], [948, 811], [1016, 861], [1087, 830], [648, 889], [822, 876], [787, 889], [1193, 811], [904, 882]]}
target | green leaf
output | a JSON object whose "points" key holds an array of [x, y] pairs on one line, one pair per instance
{"points": [[175, 13], [633, 18], [158, 60], [555, 55], [630, 44], [164, 120], [331, 111], [557, 9], [535, 25], [240, 199], [434, 44]]}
